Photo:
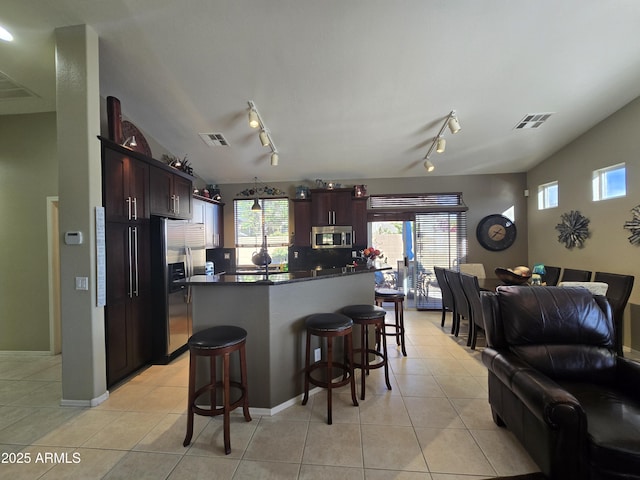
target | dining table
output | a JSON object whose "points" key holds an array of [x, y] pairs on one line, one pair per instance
{"points": [[489, 284]]}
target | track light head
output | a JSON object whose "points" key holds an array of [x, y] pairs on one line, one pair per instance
{"points": [[454, 124], [253, 119], [264, 138], [429, 167], [441, 145], [274, 159]]}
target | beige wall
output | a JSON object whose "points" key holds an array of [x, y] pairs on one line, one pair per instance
{"points": [[612, 141], [483, 194], [28, 174]]}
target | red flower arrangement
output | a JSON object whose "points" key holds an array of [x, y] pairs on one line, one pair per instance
{"points": [[371, 253]]}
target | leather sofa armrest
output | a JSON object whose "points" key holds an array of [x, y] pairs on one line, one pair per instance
{"points": [[628, 376], [548, 401], [503, 364]]}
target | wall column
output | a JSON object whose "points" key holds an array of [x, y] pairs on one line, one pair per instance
{"points": [[80, 191]]}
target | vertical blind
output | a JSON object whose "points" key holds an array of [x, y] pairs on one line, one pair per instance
{"points": [[440, 235], [441, 241], [272, 220]]}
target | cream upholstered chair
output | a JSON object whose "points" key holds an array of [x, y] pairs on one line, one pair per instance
{"points": [[596, 288], [476, 269]]}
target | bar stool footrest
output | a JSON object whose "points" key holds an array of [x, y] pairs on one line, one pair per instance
{"points": [[334, 384], [211, 412]]}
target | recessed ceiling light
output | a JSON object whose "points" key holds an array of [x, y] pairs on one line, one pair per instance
{"points": [[5, 35]]}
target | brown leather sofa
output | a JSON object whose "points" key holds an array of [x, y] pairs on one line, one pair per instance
{"points": [[556, 381]]}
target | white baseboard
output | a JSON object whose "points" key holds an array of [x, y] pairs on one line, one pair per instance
{"points": [[14, 353], [94, 402]]}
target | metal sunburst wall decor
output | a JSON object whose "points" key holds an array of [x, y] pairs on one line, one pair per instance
{"points": [[634, 226], [574, 229]]}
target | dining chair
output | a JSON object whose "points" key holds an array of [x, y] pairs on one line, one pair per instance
{"points": [[472, 292], [476, 269], [551, 275], [618, 293], [448, 305], [459, 298], [573, 275]]}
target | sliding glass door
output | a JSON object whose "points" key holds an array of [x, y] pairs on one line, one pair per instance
{"points": [[440, 241]]}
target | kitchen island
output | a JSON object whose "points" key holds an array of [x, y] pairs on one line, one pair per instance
{"points": [[272, 309]]}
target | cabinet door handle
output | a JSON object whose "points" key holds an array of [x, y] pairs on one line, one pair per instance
{"points": [[334, 217], [136, 291], [329, 217], [128, 202], [353, 237], [130, 263], [178, 204], [135, 209]]}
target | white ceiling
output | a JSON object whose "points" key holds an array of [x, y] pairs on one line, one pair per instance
{"points": [[348, 88]]}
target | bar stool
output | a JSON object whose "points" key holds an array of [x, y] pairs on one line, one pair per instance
{"points": [[330, 326], [396, 297], [219, 341], [365, 315]]}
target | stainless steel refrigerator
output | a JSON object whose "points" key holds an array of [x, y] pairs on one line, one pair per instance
{"points": [[178, 251]]}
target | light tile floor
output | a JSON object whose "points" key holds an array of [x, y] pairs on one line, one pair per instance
{"points": [[434, 425]]}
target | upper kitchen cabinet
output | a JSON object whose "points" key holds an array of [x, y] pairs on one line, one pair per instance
{"points": [[302, 222], [209, 212], [126, 186], [331, 207], [359, 221], [170, 193]]}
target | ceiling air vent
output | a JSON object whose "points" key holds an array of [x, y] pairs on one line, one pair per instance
{"points": [[11, 90], [533, 120], [214, 139]]}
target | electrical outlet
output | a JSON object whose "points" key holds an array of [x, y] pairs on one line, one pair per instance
{"points": [[317, 354]]}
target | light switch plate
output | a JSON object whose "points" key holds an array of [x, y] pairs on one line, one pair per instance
{"points": [[82, 283]]}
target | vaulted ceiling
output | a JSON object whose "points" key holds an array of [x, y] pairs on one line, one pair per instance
{"points": [[347, 88]]}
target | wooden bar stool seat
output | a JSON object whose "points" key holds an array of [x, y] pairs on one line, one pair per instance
{"points": [[366, 315], [396, 297], [330, 326], [219, 341]]}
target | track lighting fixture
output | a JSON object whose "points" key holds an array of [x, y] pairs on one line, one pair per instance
{"points": [[429, 167], [439, 142], [255, 121], [454, 124]]}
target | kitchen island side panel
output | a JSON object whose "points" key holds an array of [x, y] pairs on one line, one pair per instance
{"points": [[274, 316], [289, 307]]}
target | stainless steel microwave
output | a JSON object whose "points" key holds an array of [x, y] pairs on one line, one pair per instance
{"points": [[331, 237]]}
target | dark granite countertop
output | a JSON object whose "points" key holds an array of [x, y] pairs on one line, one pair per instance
{"points": [[278, 278]]}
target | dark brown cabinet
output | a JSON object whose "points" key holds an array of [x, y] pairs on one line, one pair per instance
{"points": [[169, 194], [128, 269], [126, 184], [331, 207], [134, 187], [128, 330], [302, 221], [359, 221]]}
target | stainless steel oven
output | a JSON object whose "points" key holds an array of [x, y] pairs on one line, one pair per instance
{"points": [[332, 237]]}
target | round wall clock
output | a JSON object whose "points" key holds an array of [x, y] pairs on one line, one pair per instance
{"points": [[496, 232]]}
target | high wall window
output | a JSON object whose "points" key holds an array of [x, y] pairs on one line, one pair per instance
{"points": [[548, 195], [610, 182], [251, 227]]}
